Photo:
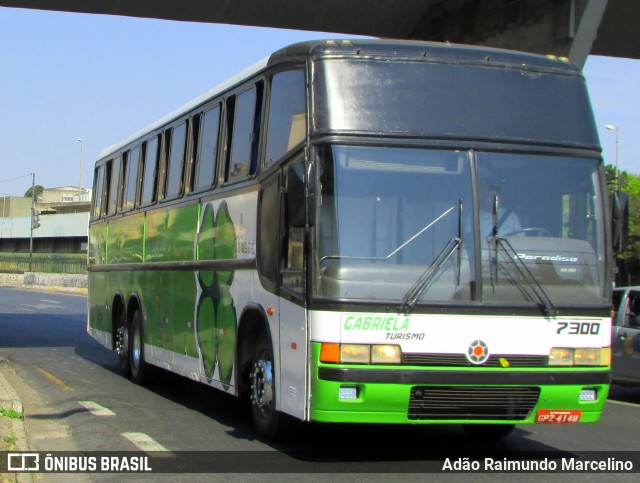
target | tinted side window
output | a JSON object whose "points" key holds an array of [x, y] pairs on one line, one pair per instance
{"points": [[149, 171], [245, 128], [175, 163], [287, 124], [268, 241], [130, 183], [206, 162], [97, 191], [241, 137], [114, 185], [632, 316]]}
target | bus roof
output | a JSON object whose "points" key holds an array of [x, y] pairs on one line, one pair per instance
{"points": [[436, 51], [430, 51], [236, 79]]}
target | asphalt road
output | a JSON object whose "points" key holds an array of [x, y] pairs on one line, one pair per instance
{"points": [[75, 400]]}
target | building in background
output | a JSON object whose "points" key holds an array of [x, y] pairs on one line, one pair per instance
{"points": [[63, 219]]}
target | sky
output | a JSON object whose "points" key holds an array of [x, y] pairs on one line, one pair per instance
{"points": [[66, 77]]}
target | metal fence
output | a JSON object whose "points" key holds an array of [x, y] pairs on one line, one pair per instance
{"points": [[43, 262]]}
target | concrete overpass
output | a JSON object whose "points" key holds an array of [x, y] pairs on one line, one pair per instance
{"points": [[571, 28]]}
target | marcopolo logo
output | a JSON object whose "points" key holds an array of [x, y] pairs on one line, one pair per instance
{"points": [[477, 352]]}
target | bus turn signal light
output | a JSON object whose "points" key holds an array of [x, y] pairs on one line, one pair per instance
{"points": [[330, 352]]}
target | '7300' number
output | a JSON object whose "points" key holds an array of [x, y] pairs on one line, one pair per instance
{"points": [[578, 328]]}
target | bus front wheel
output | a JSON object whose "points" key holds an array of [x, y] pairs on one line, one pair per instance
{"points": [[267, 420]]}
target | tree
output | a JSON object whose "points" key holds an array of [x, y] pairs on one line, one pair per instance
{"points": [[629, 260], [37, 188]]}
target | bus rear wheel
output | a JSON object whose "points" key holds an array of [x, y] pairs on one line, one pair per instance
{"points": [[267, 420], [122, 344], [140, 370]]}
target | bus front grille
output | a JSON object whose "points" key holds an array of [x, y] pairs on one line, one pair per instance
{"points": [[494, 360], [472, 402]]}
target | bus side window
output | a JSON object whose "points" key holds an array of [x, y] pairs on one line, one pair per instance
{"points": [[268, 229], [205, 162], [113, 184], [193, 152], [130, 178], [125, 170], [287, 121], [163, 161], [97, 192], [244, 119], [177, 142], [293, 262], [149, 171]]}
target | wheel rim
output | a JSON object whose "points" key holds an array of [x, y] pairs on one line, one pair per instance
{"points": [[262, 386], [136, 348], [122, 341]]}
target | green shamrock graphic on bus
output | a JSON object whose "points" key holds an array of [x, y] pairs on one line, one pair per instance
{"points": [[215, 312]]}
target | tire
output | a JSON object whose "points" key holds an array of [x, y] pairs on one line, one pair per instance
{"points": [[140, 370], [488, 432], [122, 344], [266, 419]]}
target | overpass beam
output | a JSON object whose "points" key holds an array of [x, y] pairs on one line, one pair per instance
{"points": [[585, 28]]}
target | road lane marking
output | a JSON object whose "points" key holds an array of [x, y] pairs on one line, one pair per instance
{"points": [[50, 301], [53, 379], [95, 408], [147, 444], [622, 403]]}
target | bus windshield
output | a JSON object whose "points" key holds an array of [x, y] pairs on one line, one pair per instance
{"points": [[400, 223]]}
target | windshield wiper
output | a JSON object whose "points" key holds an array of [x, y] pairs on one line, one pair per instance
{"points": [[413, 294], [524, 272], [411, 297], [396, 250]]}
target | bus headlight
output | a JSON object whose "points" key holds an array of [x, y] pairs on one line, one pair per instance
{"points": [[563, 356], [355, 353], [333, 353], [586, 357], [593, 357], [386, 354]]}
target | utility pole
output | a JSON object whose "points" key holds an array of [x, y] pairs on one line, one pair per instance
{"points": [[33, 198], [616, 129], [80, 180]]}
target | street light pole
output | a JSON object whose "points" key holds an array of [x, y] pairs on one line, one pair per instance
{"points": [[33, 200], [611, 127], [80, 181]]}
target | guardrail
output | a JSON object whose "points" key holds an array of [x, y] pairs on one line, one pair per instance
{"points": [[43, 262]]}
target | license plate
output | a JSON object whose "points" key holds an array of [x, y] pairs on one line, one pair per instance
{"points": [[554, 416]]}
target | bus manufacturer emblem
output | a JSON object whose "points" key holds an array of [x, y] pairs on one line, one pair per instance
{"points": [[478, 352]]}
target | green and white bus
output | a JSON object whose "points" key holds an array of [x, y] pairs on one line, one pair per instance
{"points": [[367, 231]]}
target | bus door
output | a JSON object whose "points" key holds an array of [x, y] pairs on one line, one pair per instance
{"points": [[281, 268]]}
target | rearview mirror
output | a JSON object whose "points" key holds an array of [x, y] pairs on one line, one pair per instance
{"points": [[295, 196], [619, 220]]}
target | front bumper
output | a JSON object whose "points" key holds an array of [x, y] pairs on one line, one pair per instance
{"points": [[419, 395]]}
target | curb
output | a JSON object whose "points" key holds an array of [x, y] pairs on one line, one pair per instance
{"points": [[48, 288], [9, 399]]}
